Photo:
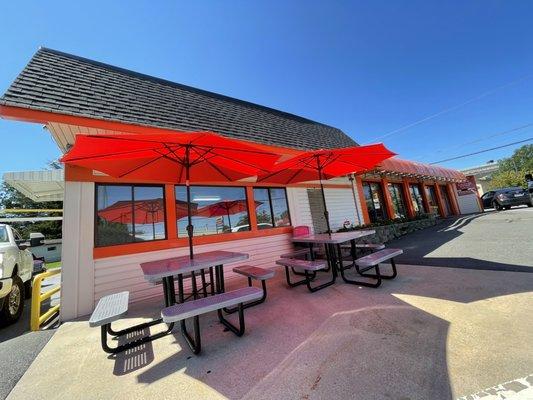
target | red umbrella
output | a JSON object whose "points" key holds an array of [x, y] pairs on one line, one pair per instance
{"points": [[326, 164], [150, 211], [171, 157], [225, 207]]}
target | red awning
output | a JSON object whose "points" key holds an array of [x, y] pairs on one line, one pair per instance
{"points": [[419, 170]]}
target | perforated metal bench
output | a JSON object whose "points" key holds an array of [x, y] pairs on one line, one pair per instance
{"points": [[253, 273], [305, 253], [111, 308], [365, 246], [309, 269], [193, 309], [372, 261]]}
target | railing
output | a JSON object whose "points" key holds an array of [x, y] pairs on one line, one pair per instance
{"points": [[37, 298]]}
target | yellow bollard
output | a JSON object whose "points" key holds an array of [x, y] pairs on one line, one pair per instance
{"points": [[37, 298]]}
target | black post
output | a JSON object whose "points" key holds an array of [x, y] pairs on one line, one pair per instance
{"points": [[189, 213], [326, 213]]}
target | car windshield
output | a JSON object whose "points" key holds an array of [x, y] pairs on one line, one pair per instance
{"points": [[3, 234]]}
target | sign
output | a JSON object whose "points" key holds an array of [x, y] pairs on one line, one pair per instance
{"points": [[467, 187]]}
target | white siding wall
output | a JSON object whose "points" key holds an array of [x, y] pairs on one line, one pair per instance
{"points": [[299, 207], [123, 273], [85, 281], [77, 274], [468, 204], [341, 207]]}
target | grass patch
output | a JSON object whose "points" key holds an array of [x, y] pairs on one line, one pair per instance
{"points": [[53, 265]]}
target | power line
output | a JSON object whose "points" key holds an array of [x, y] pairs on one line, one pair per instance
{"points": [[501, 133], [482, 151], [447, 110]]}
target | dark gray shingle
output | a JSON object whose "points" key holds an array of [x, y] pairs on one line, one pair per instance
{"points": [[62, 83]]}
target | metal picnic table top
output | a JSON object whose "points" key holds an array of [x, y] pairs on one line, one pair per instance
{"points": [[158, 269], [334, 238]]}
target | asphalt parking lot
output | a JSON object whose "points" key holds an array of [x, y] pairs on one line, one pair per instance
{"points": [[493, 240], [19, 346]]}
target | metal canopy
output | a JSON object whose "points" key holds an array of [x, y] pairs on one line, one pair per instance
{"points": [[39, 186]]}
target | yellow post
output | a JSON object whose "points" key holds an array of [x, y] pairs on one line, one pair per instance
{"points": [[37, 298]]}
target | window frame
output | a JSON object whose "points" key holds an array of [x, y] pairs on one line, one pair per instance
{"points": [[381, 196], [221, 186], [421, 205], [397, 198], [132, 185], [271, 206]]}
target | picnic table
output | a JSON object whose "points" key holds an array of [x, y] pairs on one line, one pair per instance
{"points": [[167, 269], [332, 243]]}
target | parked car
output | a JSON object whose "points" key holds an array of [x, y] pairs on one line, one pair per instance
{"points": [[16, 268], [506, 198]]}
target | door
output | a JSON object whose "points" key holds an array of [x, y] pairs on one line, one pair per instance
{"points": [[487, 199], [445, 200]]}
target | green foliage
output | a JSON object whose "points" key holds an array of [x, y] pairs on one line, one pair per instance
{"points": [[12, 198], [110, 233], [387, 222], [512, 170]]}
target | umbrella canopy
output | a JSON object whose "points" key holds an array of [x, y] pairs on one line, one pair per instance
{"points": [[326, 164], [178, 157], [225, 208]]}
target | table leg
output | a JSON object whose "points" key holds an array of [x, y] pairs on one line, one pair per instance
{"points": [[330, 256], [204, 287], [212, 281]]}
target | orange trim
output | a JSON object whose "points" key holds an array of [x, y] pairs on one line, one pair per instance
{"points": [[362, 200], [43, 117], [79, 174], [170, 198], [387, 198], [453, 199], [143, 247], [440, 201], [407, 197], [425, 200], [251, 208]]}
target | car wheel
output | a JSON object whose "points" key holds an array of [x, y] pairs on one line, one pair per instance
{"points": [[530, 204], [507, 207], [13, 303], [497, 206], [27, 289]]}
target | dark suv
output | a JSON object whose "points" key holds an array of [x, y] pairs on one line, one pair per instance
{"points": [[506, 198]]}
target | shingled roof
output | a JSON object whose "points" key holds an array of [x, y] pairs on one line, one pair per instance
{"points": [[66, 84]]}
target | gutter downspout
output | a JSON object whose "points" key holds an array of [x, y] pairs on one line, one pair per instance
{"points": [[354, 192]]}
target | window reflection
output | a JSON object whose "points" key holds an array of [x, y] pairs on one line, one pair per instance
{"points": [[273, 210], [416, 199], [216, 209], [374, 201], [128, 213], [398, 204]]}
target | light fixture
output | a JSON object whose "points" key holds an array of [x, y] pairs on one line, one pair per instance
{"points": [[206, 198]]}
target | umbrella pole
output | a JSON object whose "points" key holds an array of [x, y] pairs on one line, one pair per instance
{"points": [[229, 220], [189, 212], [326, 213]]}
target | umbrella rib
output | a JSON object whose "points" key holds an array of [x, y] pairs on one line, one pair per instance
{"points": [[219, 170], [110, 154], [141, 166]]}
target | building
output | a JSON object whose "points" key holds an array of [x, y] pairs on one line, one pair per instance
{"points": [[72, 95], [483, 175]]}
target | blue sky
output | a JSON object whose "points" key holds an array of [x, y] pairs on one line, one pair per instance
{"points": [[368, 68]]}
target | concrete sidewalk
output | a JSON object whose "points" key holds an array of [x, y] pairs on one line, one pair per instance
{"points": [[433, 333]]}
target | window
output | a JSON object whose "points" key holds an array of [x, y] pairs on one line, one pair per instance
{"points": [[271, 210], [129, 213], [398, 204], [374, 201], [432, 199], [416, 199], [215, 210], [3, 234]]}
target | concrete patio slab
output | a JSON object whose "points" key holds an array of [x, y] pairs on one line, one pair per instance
{"points": [[433, 333]]}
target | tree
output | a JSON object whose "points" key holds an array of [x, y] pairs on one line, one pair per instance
{"points": [[12, 198], [512, 170]]}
